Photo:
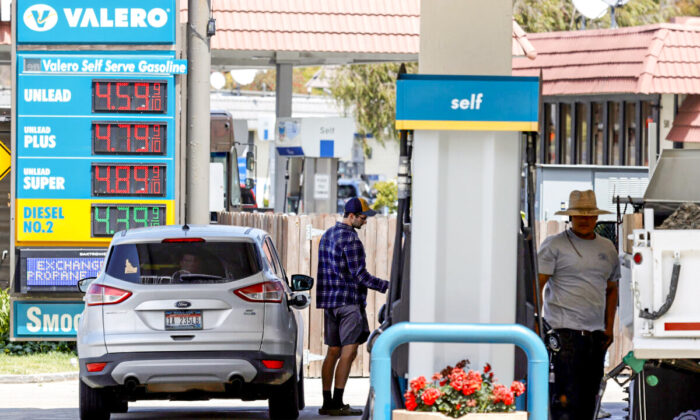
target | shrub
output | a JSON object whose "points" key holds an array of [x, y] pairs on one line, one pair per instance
{"points": [[387, 195], [24, 347]]}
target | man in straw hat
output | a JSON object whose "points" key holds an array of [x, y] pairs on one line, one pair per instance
{"points": [[578, 273]]}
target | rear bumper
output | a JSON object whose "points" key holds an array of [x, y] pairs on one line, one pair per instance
{"points": [[183, 367]]}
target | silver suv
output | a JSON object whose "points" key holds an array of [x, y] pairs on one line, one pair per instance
{"points": [[192, 313]]}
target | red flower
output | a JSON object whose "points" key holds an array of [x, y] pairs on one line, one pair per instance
{"points": [[457, 385], [411, 403], [518, 388], [430, 395], [437, 376], [487, 368], [471, 403], [472, 383], [458, 406], [503, 394], [418, 383]]}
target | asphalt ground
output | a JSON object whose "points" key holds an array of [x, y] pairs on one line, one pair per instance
{"points": [[59, 400]]}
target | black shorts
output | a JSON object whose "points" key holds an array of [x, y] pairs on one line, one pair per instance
{"points": [[345, 325]]}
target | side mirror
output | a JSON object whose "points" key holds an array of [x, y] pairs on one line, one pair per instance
{"points": [[83, 284], [301, 282]]}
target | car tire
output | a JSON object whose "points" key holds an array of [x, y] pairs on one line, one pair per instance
{"points": [[119, 406], [94, 403], [284, 401], [300, 390]]}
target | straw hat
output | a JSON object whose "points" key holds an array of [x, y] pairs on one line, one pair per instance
{"points": [[582, 203]]}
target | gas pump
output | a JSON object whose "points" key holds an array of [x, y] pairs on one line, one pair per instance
{"points": [[314, 146]]}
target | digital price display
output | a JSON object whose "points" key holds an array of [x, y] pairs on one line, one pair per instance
{"points": [[60, 271], [57, 269], [144, 137], [107, 219], [129, 95], [132, 179]]}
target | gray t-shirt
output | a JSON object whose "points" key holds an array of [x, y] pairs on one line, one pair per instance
{"points": [[574, 297]]}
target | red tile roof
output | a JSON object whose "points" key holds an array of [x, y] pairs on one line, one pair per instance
{"points": [[358, 26], [686, 124], [661, 58]]}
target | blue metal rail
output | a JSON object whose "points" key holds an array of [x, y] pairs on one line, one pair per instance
{"points": [[405, 332]]}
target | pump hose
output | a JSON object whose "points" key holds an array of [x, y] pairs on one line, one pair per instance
{"points": [[669, 298]]}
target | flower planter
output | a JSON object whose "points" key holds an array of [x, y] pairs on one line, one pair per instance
{"points": [[424, 415]]}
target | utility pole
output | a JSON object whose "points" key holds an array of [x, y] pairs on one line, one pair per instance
{"points": [[198, 109]]}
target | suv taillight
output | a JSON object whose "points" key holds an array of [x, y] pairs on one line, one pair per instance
{"points": [[270, 291], [99, 294]]}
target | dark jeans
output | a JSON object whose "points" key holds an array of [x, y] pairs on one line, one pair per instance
{"points": [[578, 369]]}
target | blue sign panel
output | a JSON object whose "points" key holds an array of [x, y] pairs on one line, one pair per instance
{"points": [[90, 22], [481, 103], [46, 319], [241, 170], [95, 132]]}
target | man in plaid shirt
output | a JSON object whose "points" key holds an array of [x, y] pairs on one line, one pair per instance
{"points": [[341, 291]]}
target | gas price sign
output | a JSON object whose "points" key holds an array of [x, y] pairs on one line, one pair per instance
{"points": [[95, 145]]}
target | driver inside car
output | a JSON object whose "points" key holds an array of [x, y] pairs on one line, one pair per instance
{"points": [[189, 264]]}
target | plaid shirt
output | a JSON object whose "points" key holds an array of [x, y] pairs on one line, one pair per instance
{"points": [[342, 276]]}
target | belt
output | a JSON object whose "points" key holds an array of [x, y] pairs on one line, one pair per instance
{"points": [[582, 333]]}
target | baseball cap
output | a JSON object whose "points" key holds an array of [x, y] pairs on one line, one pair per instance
{"points": [[359, 206]]}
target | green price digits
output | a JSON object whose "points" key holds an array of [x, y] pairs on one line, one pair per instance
{"points": [[108, 219]]}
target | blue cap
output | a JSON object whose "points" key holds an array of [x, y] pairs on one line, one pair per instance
{"points": [[359, 206]]}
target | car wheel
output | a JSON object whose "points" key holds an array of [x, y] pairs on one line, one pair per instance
{"points": [[119, 406], [284, 401], [94, 403], [300, 390]]}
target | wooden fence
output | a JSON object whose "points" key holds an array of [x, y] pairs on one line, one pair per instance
{"points": [[297, 238]]}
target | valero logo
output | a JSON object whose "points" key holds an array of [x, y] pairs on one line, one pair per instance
{"points": [[40, 17]]}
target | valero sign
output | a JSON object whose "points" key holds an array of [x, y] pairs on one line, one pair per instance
{"points": [[475, 103], [103, 22]]}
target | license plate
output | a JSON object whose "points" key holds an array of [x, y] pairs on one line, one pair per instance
{"points": [[183, 320]]}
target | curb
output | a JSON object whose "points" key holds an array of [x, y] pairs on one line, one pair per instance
{"points": [[42, 377]]}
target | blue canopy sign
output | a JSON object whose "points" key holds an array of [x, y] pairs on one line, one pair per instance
{"points": [[472, 103]]}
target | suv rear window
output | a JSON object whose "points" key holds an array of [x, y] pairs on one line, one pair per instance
{"points": [[183, 262]]}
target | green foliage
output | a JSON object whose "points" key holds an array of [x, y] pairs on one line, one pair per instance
{"points": [[369, 91], [4, 312], [24, 347], [561, 15], [387, 195]]}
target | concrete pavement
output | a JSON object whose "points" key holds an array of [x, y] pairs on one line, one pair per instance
{"points": [[59, 401]]}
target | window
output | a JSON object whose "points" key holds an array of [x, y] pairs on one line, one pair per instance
{"points": [[268, 249], [567, 142], [550, 116], [630, 133], [581, 134], [597, 138], [346, 191], [202, 262], [614, 133]]}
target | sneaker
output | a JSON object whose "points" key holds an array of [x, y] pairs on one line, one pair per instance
{"points": [[325, 411], [345, 410]]}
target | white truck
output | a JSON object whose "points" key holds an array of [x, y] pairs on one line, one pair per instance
{"points": [[659, 304]]}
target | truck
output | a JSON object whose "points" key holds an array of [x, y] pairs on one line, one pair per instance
{"points": [[659, 304]]}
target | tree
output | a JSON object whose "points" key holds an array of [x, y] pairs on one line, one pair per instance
{"points": [[369, 92], [561, 15]]}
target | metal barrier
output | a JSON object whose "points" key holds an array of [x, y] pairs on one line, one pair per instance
{"points": [[405, 332]]}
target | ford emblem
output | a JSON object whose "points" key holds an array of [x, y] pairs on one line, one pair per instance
{"points": [[182, 304]]}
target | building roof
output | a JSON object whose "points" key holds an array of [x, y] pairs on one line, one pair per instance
{"points": [[686, 123], [306, 32], [651, 59]]}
